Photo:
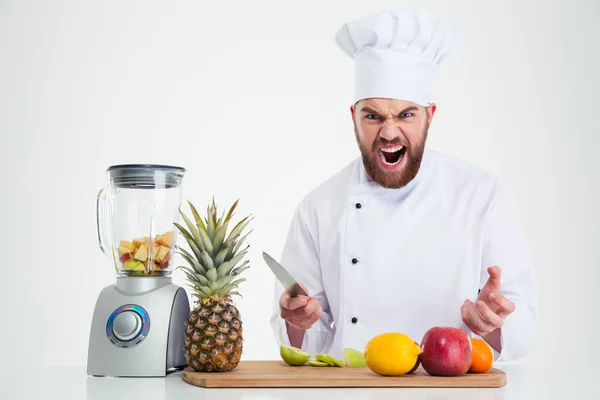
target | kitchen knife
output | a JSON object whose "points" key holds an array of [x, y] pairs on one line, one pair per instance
{"points": [[287, 280]]}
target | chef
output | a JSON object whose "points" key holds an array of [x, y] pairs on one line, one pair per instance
{"points": [[404, 238]]}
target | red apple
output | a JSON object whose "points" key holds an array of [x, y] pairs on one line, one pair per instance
{"points": [[125, 257], [446, 351], [164, 264]]}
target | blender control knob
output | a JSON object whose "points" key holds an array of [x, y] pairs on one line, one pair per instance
{"points": [[127, 325]]}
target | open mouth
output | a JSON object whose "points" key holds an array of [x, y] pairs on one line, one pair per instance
{"points": [[391, 156]]}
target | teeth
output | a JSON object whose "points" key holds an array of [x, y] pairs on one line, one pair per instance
{"points": [[382, 157], [392, 149]]}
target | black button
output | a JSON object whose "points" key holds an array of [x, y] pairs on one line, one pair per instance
{"points": [[354, 320], [354, 261], [358, 205]]}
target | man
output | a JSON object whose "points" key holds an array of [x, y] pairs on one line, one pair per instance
{"points": [[404, 238]]}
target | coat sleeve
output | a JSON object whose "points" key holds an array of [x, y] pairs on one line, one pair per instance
{"points": [[504, 246], [301, 258]]}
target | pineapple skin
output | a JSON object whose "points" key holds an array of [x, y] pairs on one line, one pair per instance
{"points": [[214, 336]]}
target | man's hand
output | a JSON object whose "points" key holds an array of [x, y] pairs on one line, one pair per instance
{"points": [[299, 312], [491, 309]]}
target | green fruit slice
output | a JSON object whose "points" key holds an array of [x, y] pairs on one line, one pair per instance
{"points": [[335, 361], [332, 361], [317, 363], [133, 265], [324, 358], [293, 355], [353, 358]]}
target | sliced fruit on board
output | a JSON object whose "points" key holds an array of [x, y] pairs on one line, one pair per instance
{"points": [[293, 355], [335, 361], [353, 358], [317, 363], [329, 360]]}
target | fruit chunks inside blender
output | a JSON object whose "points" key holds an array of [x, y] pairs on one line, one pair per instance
{"points": [[135, 255]]}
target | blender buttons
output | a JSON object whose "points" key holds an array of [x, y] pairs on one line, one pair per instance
{"points": [[128, 326]]}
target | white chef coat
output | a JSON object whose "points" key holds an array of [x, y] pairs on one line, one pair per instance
{"points": [[404, 260]]}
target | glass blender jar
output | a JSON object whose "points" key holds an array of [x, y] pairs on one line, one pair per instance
{"points": [[135, 216]]}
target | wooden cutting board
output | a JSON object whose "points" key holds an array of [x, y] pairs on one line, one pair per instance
{"points": [[272, 374]]}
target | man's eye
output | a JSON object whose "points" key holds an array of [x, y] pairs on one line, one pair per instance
{"points": [[372, 116], [406, 115]]}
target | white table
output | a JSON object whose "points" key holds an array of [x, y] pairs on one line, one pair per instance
{"points": [[73, 383]]}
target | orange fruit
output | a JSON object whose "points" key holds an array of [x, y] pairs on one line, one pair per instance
{"points": [[482, 356]]}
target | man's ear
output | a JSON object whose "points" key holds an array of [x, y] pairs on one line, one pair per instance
{"points": [[430, 112], [352, 111]]}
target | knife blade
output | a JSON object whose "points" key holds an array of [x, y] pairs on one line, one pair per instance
{"points": [[287, 280]]}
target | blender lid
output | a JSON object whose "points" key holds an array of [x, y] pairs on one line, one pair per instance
{"points": [[146, 176], [145, 166]]}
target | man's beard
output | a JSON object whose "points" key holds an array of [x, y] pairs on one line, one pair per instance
{"points": [[393, 179]]}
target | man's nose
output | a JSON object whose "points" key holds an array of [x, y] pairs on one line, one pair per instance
{"points": [[390, 131]]}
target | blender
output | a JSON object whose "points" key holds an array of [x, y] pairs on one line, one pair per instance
{"points": [[138, 326]]}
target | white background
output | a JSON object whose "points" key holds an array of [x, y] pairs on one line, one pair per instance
{"points": [[252, 97]]}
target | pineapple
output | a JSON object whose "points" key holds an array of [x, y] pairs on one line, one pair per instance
{"points": [[213, 336]]}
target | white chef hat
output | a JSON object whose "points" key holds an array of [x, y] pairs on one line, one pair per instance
{"points": [[396, 53]]}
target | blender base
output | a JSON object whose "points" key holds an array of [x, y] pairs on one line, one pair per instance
{"points": [[138, 328]]}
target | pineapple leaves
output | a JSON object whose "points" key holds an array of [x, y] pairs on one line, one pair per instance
{"points": [[227, 266], [201, 293], [230, 213], [207, 260], [213, 269], [194, 277], [192, 261], [221, 256], [191, 227], [210, 211], [229, 243], [221, 227], [202, 279], [206, 290], [211, 274], [207, 243], [199, 221], [225, 280], [219, 237], [190, 241], [239, 270], [235, 232], [239, 243], [237, 282], [231, 263]]}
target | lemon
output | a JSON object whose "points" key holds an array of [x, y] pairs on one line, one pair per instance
{"points": [[293, 355], [391, 354]]}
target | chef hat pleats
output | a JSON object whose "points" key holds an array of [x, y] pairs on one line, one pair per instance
{"points": [[396, 53]]}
